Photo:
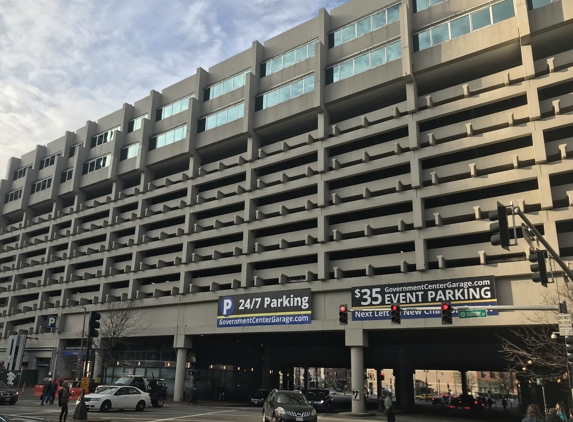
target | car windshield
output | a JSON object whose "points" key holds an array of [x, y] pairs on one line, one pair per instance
{"points": [[291, 399], [3, 384], [313, 395], [107, 390], [123, 381]]}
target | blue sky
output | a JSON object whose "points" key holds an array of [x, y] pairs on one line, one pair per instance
{"points": [[63, 62]]}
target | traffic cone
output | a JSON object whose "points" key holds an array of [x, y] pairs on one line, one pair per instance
{"points": [[23, 387]]}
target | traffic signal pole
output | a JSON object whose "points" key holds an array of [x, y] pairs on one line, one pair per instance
{"points": [[545, 243]]}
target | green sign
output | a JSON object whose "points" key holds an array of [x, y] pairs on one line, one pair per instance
{"points": [[475, 313]]}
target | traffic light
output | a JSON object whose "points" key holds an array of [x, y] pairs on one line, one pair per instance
{"points": [[446, 313], [343, 315], [500, 228], [569, 342], [382, 376], [395, 312], [538, 268], [94, 324]]}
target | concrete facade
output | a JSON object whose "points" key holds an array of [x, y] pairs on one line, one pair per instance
{"points": [[383, 177]]}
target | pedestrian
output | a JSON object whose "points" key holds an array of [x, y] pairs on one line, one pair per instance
{"points": [[533, 414], [365, 393], [389, 408], [489, 402], [63, 400], [194, 394], [504, 404], [46, 391], [570, 416], [552, 415], [561, 412], [54, 391], [92, 386]]}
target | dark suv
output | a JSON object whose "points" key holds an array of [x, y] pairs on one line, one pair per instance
{"points": [[320, 399], [258, 399], [283, 406]]}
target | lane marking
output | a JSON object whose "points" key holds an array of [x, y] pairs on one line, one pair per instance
{"points": [[192, 416]]}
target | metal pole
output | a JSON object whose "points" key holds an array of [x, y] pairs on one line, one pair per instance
{"points": [[81, 359], [544, 242], [543, 391]]}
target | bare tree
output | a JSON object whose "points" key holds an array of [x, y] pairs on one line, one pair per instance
{"points": [[120, 321], [530, 348], [506, 382], [471, 380]]}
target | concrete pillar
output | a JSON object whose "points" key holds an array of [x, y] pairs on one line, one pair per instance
{"points": [[306, 379], [266, 379], [357, 367], [180, 369], [379, 382], [404, 378], [464, 379]]}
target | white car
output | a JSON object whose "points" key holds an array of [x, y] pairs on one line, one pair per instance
{"points": [[117, 398]]}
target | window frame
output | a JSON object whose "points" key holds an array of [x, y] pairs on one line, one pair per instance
{"points": [[261, 101], [263, 65], [50, 160], [13, 195], [93, 161], [210, 90], [41, 185], [128, 148], [159, 111], [134, 122], [73, 148], [332, 35], [153, 140], [202, 121], [69, 174], [104, 137], [20, 173]]}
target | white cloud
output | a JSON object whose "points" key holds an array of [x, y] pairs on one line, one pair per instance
{"points": [[68, 61]]}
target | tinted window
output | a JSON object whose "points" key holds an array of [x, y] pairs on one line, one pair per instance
{"points": [[291, 399]]}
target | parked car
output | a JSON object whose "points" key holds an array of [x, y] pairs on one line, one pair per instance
{"points": [[8, 394], [320, 399], [155, 387], [283, 406], [117, 398], [258, 399], [424, 397], [466, 404]]}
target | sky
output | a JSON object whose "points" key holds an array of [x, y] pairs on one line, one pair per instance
{"points": [[63, 62]]}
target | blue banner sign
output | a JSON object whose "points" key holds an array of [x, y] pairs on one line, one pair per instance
{"points": [[292, 307], [373, 302]]}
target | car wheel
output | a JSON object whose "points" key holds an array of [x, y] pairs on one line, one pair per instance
{"points": [[159, 402], [105, 406], [140, 406]]}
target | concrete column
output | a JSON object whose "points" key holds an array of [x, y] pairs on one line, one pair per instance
{"points": [[378, 381], [179, 388], [357, 367], [464, 378], [306, 379], [404, 378], [266, 378]]}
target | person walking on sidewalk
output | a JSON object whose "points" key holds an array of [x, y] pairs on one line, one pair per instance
{"points": [[63, 400], [389, 408], [47, 392]]}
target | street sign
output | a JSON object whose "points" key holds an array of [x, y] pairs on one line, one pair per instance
{"points": [[474, 313], [85, 385], [356, 395], [51, 321], [565, 324]]}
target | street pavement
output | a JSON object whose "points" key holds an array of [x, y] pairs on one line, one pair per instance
{"points": [[28, 409]]}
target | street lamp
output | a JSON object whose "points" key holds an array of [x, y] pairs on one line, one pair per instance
{"points": [[426, 371]]}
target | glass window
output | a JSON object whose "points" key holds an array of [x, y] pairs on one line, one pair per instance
{"points": [[535, 4], [378, 57], [227, 86], [185, 104], [161, 141], [211, 122], [268, 69], [240, 110], [422, 5], [346, 70], [301, 53], [217, 90], [335, 74], [337, 38], [277, 64], [394, 51], [92, 166], [178, 134], [288, 59], [440, 34], [480, 19], [167, 112], [284, 94], [221, 117], [133, 151], [424, 40], [238, 81], [169, 136], [177, 107], [379, 20], [394, 14], [362, 64], [272, 98], [311, 48], [502, 11], [460, 26], [232, 114], [348, 33], [296, 89], [434, 2], [364, 26], [309, 84]]}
